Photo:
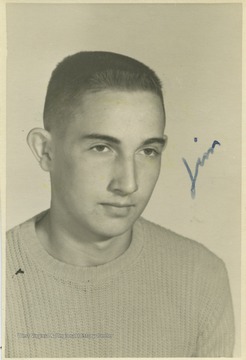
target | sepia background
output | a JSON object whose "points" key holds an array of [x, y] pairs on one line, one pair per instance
{"points": [[196, 51]]}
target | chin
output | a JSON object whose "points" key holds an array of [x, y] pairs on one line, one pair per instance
{"points": [[114, 228]]}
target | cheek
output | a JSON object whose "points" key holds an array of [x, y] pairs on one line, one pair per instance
{"points": [[89, 176], [148, 173]]}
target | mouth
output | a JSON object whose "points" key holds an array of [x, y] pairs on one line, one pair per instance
{"points": [[117, 210], [118, 205]]}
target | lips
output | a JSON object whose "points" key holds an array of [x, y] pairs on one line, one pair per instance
{"points": [[118, 205], [117, 210]]}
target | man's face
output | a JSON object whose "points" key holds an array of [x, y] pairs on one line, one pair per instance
{"points": [[107, 164]]}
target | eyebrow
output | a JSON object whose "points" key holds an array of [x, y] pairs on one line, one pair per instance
{"points": [[155, 140], [102, 137], [114, 140]]}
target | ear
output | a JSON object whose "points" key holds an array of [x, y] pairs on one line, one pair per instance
{"points": [[39, 141]]}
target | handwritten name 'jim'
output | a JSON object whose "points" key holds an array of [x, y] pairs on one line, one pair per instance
{"points": [[199, 162]]}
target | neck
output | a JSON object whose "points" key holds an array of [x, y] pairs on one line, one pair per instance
{"points": [[76, 246]]}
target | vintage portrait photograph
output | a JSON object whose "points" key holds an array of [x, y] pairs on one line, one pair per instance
{"points": [[123, 180]]}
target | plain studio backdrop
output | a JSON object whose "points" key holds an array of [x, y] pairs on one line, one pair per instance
{"points": [[196, 51]]}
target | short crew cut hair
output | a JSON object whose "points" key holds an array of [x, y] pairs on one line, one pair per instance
{"points": [[93, 71]]}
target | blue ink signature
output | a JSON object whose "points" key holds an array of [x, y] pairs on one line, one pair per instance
{"points": [[198, 163]]}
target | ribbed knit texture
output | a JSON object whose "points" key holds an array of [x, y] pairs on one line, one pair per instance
{"points": [[166, 296]]}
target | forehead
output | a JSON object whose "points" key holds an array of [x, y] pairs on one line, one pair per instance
{"points": [[117, 112]]}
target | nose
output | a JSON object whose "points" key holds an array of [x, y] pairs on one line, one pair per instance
{"points": [[124, 179]]}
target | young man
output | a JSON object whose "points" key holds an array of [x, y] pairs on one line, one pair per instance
{"points": [[89, 277]]}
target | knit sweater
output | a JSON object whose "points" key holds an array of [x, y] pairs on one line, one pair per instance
{"points": [[165, 296]]}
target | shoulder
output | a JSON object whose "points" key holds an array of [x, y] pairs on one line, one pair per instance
{"points": [[26, 229], [180, 250], [19, 239]]}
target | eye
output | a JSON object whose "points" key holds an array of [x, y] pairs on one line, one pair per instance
{"points": [[100, 148], [150, 152]]}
